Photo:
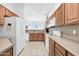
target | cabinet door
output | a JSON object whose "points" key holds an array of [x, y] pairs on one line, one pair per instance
{"points": [[60, 48], [8, 13], [41, 36], [36, 36], [57, 53], [60, 15], [2, 10], [2, 13], [71, 13], [1, 19], [51, 48]]}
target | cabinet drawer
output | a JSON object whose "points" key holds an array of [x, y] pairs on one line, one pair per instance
{"points": [[58, 53], [51, 48], [60, 48]]}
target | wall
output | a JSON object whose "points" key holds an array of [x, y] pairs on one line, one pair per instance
{"points": [[67, 32]]}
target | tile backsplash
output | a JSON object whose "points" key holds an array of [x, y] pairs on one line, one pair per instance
{"points": [[67, 32]]}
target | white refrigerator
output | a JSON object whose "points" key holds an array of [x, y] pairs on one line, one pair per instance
{"points": [[14, 30]]}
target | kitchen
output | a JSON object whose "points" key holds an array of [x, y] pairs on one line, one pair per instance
{"points": [[51, 29]]}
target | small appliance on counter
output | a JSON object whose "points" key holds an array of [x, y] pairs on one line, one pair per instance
{"points": [[57, 33]]}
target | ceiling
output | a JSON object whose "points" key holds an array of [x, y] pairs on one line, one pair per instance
{"points": [[37, 11]]}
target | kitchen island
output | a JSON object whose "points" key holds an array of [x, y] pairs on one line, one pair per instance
{"points": [[37, 35]]}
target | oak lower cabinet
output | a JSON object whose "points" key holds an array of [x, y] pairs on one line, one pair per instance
{"points": [[59, 50], [69, 54], [51, 47], [36, 36], [31, 36], [9, 52], [56, 49]]}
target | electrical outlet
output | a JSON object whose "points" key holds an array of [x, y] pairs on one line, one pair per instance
{"points": [[74, 32]]}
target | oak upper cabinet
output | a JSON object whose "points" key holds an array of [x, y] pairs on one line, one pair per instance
{"points": [[60, 15], [1, 19], [2, 10], [9, 13], [71, 13], [2, 13]]}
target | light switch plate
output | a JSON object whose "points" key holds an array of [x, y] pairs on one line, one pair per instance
{"points": [[74, 32]]}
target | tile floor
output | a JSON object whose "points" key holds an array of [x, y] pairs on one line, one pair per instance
{"points": [[34, 48]]}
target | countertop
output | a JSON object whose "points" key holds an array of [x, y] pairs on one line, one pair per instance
{"points": [[5, 44], [36, 31], [69, 45]]}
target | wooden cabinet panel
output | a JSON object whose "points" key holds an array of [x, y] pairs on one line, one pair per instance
{"points": [[41, 36], [9, 13], [2, 13], [1, 19], [71, 13], [57, 50], [60, 15], [60, 48], [36, 36], [51, 47], [51, 40], [57, 53], [2, 10], [66, 14]]}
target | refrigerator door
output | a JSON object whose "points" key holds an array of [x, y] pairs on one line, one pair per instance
{"points": [[19, 28], [19, 45], [20, 42]]}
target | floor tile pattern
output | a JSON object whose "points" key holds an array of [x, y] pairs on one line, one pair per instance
{"points": [[34, 48]]}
